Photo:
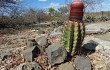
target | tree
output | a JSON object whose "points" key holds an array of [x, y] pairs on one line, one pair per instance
{"points": [[30, 16], [16, 14], [41, 15], [11, 13], [51, 11], [34, 16], [8, 1], [5, 8], [63, 10], [91, 4]]}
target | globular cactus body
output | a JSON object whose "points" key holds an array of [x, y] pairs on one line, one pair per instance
{"points": [[73, 36]]}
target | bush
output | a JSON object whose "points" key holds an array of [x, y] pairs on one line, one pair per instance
{"points": [[89, 19]]}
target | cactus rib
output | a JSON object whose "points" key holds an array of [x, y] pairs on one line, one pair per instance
{"points": [[73, 36]]}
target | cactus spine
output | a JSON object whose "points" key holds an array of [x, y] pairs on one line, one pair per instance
{"points": [[73, 36]]}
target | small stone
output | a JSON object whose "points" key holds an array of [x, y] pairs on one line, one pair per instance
{"points": [[56, 53], [82, 63], [31, 53], [66, 66]]}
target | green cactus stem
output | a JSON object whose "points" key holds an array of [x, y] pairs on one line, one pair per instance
{"points": [[73, 36]]}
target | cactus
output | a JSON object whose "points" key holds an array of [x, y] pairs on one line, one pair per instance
{"points": [[73, 36], [74, 29]]}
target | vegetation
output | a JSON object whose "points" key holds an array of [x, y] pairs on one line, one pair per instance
{"points": [[12, 15], [73, 36], [74, 30]]}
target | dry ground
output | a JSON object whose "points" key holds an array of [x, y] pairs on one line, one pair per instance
{"points": [[15, 37]]}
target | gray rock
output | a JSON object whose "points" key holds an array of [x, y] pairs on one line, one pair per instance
{"points": [[66, 66], [56, 53], [91, 45], [31, 42], [105, 37], [92, 31], [42, 43], [103, 46], [29, 66], [31, 53], [82, 63], [97, 28]]}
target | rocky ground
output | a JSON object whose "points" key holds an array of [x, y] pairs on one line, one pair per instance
{"points": [[41, 49]]}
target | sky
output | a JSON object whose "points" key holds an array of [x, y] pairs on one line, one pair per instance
{"points": [[44, 3], [58, 3]]}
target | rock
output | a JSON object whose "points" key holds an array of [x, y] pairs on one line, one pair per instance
{"points": [[108, 66], [31, 42], [105, 37], [93, 31], [31, 53], [91, 45], [29, 66], [66, 66], [97, 28], [82, 63], [56, 53], [42, 43], [102, 46]]}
